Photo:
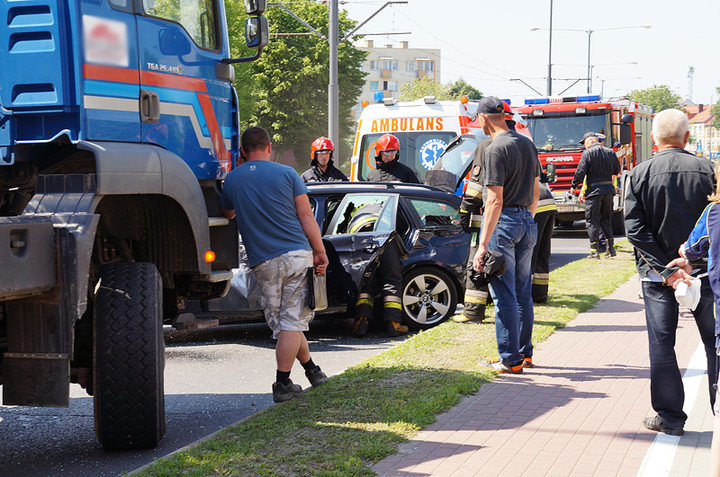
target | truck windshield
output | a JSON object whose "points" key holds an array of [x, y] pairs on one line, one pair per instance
{"points": [[418, 150], [554, 133]]}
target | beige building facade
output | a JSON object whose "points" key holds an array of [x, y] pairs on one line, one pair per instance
{"points": [[705, 138], [390, 67]]}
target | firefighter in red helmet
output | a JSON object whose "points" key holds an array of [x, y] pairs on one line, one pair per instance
{"points": [[388, 167], [322, 168]]}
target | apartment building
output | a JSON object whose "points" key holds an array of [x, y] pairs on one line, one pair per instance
{"points": [[389, 68], [706, 138]]}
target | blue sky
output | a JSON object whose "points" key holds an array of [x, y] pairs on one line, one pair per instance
{"points": [[489, 43]]}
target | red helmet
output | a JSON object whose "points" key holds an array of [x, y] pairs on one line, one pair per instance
{"points": [[508, 111], [321, 144], [387, 142]]}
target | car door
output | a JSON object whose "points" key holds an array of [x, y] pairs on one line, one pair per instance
{"points": [[354, 252]]}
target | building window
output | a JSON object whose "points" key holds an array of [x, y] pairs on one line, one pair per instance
{"points": [[374, 65], [390, 85], [426, 65], [373, 85], [411, 67], [389, 64]]}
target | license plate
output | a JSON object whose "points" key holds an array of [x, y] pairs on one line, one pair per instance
{"points": [[568, 208]]}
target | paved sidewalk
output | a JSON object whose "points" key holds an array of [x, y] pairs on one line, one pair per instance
{"points": [[578, 413]]}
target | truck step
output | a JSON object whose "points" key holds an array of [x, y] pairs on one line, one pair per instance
{"points": [[217, 221], [188, 321]]}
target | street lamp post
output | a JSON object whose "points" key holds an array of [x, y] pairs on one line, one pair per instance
{"points": [[589, 33]]}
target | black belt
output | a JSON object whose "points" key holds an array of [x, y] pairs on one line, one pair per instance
{"points": [[594, 184]]}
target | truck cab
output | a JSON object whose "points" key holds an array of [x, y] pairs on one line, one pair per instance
{"points": [[118, 122]]}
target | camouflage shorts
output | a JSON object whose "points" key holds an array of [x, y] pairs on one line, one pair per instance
{"points": [[284, 288]]}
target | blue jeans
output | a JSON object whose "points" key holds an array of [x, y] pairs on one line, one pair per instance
{"points": [[667, 394], [514, 236]]}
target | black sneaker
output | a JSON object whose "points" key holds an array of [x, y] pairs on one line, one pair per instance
{"points": [[656, 424], [285, 392], [316, 376]]}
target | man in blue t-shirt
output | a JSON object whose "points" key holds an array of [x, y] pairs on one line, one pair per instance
{"points": [[282, 241]]}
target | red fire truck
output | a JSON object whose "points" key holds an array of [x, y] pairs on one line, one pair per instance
{"points": [[557, 125]]}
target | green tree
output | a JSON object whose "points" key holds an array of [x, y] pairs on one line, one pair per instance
{"points": [[659, 97], [461, 88], [421, 87], [285, 90], [716, 111]]}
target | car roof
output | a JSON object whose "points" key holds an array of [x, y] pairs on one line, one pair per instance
{"points": [[397, 187]]}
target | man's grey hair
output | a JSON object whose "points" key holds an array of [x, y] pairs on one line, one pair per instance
{"points": [[670, 126]]}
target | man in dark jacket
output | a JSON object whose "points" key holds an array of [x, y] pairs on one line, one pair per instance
{"points": [[322, 168], [545, 220], [388, 167], [665, 197], [598, 167]]}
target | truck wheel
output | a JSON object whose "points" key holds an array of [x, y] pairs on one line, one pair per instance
{"points": [[618, 223], [129, 357]]}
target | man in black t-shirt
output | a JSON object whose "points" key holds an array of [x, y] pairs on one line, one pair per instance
{"points": [[512, 183]]}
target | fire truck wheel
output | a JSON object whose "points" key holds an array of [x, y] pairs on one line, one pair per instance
{"points": [[429, 297], [129, 357]]}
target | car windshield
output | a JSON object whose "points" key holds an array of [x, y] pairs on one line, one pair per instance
{"points": [[554, 133], [458, 156], [418, 150]]}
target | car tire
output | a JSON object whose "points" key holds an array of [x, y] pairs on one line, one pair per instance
{"points": [[129, 357], [429, 297]]}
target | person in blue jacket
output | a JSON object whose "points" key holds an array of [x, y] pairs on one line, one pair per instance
{"points": [[697, 248]]}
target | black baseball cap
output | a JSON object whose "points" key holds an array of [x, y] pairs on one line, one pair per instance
{"points": [[490, 105], [589, 134]]}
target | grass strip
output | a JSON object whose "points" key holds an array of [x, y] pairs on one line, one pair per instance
{"points": [[359, 417]]}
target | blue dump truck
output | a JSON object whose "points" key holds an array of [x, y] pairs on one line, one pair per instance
{"points": [[118, 122]]}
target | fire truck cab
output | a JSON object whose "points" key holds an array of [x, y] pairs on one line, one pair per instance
{"points": [[557, 125], [424, 128]]}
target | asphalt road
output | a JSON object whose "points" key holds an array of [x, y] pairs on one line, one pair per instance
{"points": [[213, 378]]}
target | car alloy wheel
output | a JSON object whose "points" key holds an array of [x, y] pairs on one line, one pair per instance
{"points": [[429, 297]]}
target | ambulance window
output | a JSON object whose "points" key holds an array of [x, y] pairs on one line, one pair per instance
{"points": [[198, 17]]}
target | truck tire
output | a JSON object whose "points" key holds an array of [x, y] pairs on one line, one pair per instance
{"points": [[129, 357]]}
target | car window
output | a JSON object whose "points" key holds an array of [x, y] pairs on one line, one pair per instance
{"points": [[434, 214], [363, 213]]}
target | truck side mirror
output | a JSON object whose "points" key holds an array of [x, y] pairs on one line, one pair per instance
{"points": [[550, 175], [627, 119], [256, 32], [625, 133], [255, 7]]}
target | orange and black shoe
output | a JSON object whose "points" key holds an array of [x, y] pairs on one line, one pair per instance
{"points": [[527, 362], [503, 368]]}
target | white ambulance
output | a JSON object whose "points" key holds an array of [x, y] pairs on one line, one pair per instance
{"points": [[424, 128]]}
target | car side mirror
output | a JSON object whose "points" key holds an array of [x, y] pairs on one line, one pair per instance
{"points": [[550, 175], [627, 119], [625, 134]]}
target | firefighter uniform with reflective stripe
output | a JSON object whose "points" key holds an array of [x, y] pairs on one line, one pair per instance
{"points": [[471, 210], [545, 220]]}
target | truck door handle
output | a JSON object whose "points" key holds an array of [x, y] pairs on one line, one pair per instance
{"points": [[149, 106]]}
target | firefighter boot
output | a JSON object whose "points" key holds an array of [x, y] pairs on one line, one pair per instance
{"points": [[392, 315], [594, 251], [610, 252], [363, 315]]}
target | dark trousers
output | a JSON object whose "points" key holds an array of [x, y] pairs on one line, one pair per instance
{"points": [[598, 216], [476, 296], [388, 283], [541, 255], [661, 315]]}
